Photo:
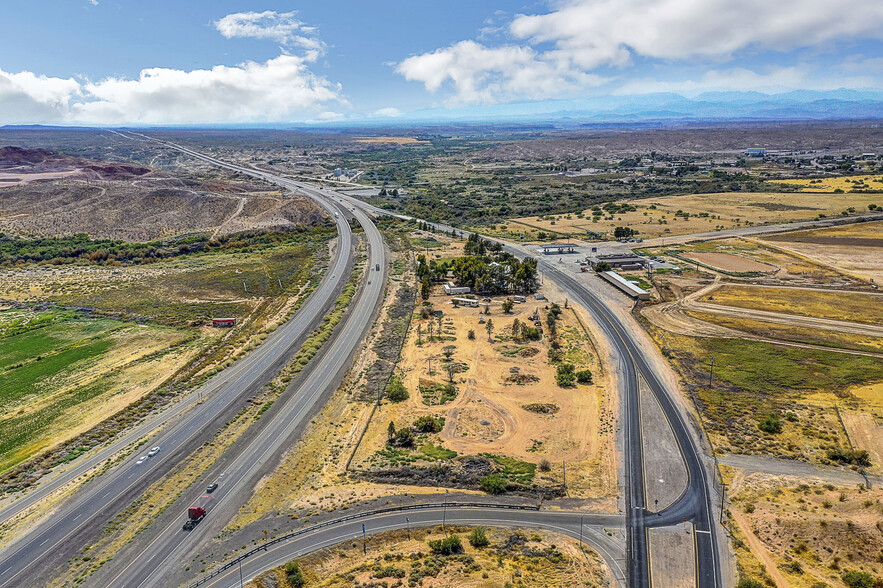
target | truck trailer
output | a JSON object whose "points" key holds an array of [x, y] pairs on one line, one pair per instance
{"points": [[197, 512]]}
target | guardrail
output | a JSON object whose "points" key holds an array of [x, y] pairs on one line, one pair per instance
{"points": [[355, 516]]}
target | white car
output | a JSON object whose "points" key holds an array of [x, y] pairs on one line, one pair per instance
{"points": [[153, 452], [141, 460]]}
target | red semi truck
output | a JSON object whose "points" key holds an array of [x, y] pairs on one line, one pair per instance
{"points": [[197, 512]]}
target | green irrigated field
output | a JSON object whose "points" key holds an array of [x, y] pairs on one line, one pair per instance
{"points": [[56, 365]]}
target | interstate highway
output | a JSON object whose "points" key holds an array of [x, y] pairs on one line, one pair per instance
{"points": [[51, 541]]}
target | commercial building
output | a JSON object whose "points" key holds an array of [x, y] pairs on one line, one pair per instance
{"points": [[627, 261], [630, 288], [558, 248]]}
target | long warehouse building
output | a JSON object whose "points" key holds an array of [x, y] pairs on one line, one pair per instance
{"points": [[626, 286]]}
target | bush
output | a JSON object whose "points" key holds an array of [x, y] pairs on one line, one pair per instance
{"points": [[857, 579], [396, 391], [429, 424], [470, 334], [531, 333], [493, 484], [545, 465], [772, 424], [478, 538], [565, 375], [404, 437], [294, 575], [447, 546], [858, 457], [584, 376], [749, 583]]}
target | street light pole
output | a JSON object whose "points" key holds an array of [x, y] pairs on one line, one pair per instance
{"points": [[240, 572], [445, 514]]}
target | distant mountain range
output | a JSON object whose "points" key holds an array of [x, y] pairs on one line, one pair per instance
{"points": [[671, 107]]}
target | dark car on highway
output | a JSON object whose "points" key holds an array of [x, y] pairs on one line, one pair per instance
{"points": [[211, 488]]}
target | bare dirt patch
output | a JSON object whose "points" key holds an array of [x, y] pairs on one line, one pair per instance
{"points": [[729, 263]]}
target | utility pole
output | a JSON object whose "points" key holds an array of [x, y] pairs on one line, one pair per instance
{"points": [[240, 572], [429, 361]]}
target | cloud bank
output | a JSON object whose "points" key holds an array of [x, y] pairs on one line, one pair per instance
{"points": [[559, 53], [282, 27]]}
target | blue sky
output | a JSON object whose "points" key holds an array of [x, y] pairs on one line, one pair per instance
{"points": [[161, 61]]}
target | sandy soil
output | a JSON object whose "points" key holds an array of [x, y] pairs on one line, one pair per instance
{"points": [[865, 433], [345, 565], [488, 414], [844, 183], [14, 179], [729, 263]]}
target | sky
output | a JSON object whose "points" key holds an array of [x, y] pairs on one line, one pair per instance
{"points": [[118, 62]]}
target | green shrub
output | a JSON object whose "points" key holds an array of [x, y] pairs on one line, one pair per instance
{"points": [[772, 424], [429, 424], [447, 546], [852, 456], [294, 575], [565, 375], [396, 391], [857, 579], [749, 583], [493, 484], [584, 376], [478, 538]]}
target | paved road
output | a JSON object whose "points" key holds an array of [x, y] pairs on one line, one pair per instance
{"points": [[591, 528], [696, 505], [153, 563], [186, 423]]}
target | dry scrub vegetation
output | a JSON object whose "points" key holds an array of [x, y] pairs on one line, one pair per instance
{"points": [[401, 558]]}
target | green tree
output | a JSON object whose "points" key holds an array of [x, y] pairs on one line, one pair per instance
{"points": [[391, 432], [470, 334], [489, 327], [429, 424], [493, 484], [602, 266], [565, 375], [424, 288], [507, 305], [447, 546], [749, 583], [396, 391], [404, 437]]}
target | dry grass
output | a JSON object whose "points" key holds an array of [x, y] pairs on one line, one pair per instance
{"points": [[723, 211], [391, 140], [806, 533], [531, 558], [845, 183], [844, 306]]}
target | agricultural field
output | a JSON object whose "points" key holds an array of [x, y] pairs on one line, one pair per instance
{"points": [[869, 183], [793, 532], [62, 372], [110, 335], [490, 402], [489, 557], [696, 213], [852, 249]]}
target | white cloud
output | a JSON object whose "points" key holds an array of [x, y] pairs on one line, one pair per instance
{"points": [[556, 53], [388, 111], [279, 89], [29, 98], [480, 74], [281, 27]]}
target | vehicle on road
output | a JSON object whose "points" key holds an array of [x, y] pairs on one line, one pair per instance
{"points": [[211, 488], [197, 512], [153, 452], [377, 267], [141, 460]]}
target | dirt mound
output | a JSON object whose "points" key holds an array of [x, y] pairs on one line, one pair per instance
{"points": [[36, 160], [116, 171]]}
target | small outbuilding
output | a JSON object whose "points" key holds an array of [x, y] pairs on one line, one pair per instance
{"points": [[224, 322]]}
